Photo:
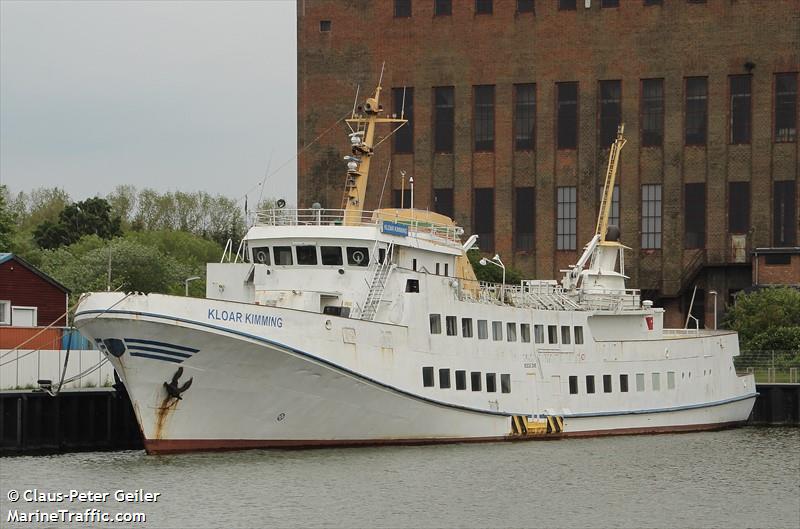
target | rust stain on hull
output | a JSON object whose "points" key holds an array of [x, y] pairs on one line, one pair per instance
{"points": [[168, 405]]}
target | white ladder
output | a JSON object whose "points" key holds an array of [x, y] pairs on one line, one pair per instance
{"points": [[378, 284]]}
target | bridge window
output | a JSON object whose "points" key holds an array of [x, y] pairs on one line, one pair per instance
{"points": [[466, 327], [283, 255], [538, 333], [412, 285], [505, 383], [357, 256], [491, 382], [444, 378], [511, 332], [331, 255], [261, 255], [483, 330], [565, 334], [461, 380], [656, 381], [589, 383], [573, 385], [306, 255], [427, 377], [552, 334], [639, 381], [578, 335], [450, 322], [607, 384], [475, 377], [497, 331], [670, 379], [623, 383], [525, 331], [436, 324]]}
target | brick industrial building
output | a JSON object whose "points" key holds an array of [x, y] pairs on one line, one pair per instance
{"points": [[512, 107]]}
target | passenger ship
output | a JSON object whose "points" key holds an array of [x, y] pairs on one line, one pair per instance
{"points": [[352, 327]]}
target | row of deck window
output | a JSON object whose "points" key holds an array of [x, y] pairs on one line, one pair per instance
{"points": [[312, 255], [451, 327], [655, 382], [475, 378]]}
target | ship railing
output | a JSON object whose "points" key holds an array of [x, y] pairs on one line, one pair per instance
{"points": [[611, 299], [335, 217], [537, 295]]}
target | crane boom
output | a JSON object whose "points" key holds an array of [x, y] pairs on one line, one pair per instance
{"points": [[608, 187]]}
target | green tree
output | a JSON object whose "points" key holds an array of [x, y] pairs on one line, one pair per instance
{"points": [[91, 216], [490, 272], [7, 221]]}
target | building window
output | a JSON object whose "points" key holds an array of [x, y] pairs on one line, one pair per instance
{"points": [[443, 118], [511, 332], [567, 118], [738, 207], [402, 8], [613, 214], [436, 323], [525, 332], [427, 377], [639, 381], [607, 384], [786, 107], [461, 380], [567, 5], [656, 381], [589, 383], [552, 334], [484, 118], [538, 333], [497, 331], [524, 116], [784, 213], [566, 220], [653, 2], [466, 327], [578, 335], [483, 7], [475, 380], [694, 227], [610, 111], [404, 137], [565, 334], [444, 378], [5, 312], [623, 383], [524, 218], [483, 330], [484, 217], [525, 6], [442, 7], [670, 379], [450, 324], [651, 216], [505, 383], [573, 385], [491, 383], [652, 111], [696, 110], [740, 109], [325, 25], [609, 3], [443, 201]]}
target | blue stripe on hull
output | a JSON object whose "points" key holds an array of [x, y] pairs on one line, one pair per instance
{"points": [[157, 350], [161, 344]]}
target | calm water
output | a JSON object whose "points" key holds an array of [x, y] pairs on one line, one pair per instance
{"points": [[748, 477]]}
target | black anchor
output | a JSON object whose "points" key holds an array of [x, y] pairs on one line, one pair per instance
{"points": [[173, 389]]}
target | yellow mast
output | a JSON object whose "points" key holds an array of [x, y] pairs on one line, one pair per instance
{"points": [[362, 122], [608, 188]]}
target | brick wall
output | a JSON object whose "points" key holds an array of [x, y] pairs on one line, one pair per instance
{"points": [[777, 274]]}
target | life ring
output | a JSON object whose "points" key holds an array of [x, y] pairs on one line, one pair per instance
{"points": [[358, 257], [261, 256]]}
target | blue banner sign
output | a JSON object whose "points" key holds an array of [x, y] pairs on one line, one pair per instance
{"points": [[393, 228]]}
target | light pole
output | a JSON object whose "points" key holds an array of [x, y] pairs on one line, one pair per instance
{"points": [[714, 293], [186, 283], [497, 262]]}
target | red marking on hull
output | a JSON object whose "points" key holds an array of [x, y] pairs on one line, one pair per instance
{"points": [[175, 446]]}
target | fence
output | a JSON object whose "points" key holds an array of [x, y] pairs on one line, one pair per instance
{"points": [[770, 366]]}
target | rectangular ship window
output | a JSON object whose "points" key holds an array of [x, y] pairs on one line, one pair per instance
{"points": [[436, 324], [639, 381], [656, 381], [505, 383], [331, 255], [511, 332], [261, 255], [565, 334], [483, 330], [623, 383], [450, 322], [497, 331], [427, 377], [589, 383], [466, 327], [357, 256], [491, 382], [525, 331], [475, 377], [670, 379], [283, 255], [444, 378], [538, 332], [573, 385], [552, 334], [578, 335], [461, 380], [607, 384], [306, 255]]}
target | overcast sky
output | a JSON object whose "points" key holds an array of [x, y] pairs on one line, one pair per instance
{"points": [[169, 95]]}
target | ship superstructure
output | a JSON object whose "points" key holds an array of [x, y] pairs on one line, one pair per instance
{"points": [[346, 327]]}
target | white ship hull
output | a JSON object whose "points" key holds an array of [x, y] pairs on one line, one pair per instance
{"points": [[270, 377]]}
